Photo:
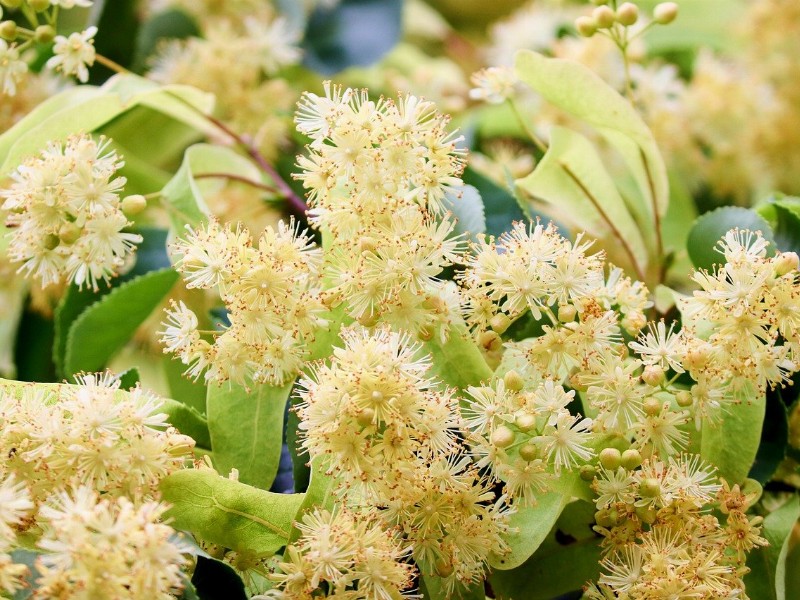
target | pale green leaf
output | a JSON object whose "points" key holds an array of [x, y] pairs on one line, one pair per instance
{"points": [[573, 182], [433, 588], [458, 361], [108, 324], [229, 513], [466, 205], [712, 226], [247, 430], [767, 578], [318, 495]]}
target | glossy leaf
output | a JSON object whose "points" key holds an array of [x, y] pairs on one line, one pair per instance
{"points": [[318, 495], [710, 227], [500, 206], [107, 325], [467, 208], [247, 430], [458, 361], [767, 579], [171, 24], [774, 439], [189, 422], [229, 513]]}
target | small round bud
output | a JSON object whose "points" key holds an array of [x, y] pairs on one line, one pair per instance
{"points": [[786, 262], [69, 233], [649, 488], [368, 319], [529, 452], [653, 375], [513, 381], [604, 518], [586, 26], [366, 417], [133, 205], [367, 244], [647, 514], [633, 323], [8, 30], [44, 34], [627, 14], [51, 241], [631, 459], [39, 5], [425, 334], [588, 472], [490, 340], [610, 458], [525, 422], [684, 399], [566, 313], [697, 355], [500, 322], [443, 568], [604, 17], [652, 406], [665, 13], [502, 437]]}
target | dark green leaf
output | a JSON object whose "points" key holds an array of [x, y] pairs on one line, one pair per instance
{"points": [[783, 215], [229, 513], [171, 24], [129, 379], [500, 206], [216, 580], [301, 469], [116, 36], [32, 350], [709, 228], [183, 389], [103, 328], [774, 439], [189, 422], [246, 429], [767, 578], [353, 33], [72, 304]]}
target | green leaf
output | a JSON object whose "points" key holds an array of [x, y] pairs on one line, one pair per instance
{"points": [[577, 90], [577, 189], [301, 469], [500, 206], [432, 588], [731, 444], [189, 422], [216, 580], [183, 389], [170, 24], [72, 304], [129, 379], [767, 578], [712, 226], [783, 215], [318, 495], [531, 526], [467, 207], [700, 23], [229, 513], [352, 33], [458, 361], [104, 327], [32, 348], [183, 195], [774, 439], [247, 430], [12, 297]]}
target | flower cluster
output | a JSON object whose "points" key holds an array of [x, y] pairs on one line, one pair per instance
{"points": [[106, 547], [89, 435], [380, 177], [659, 539], [15, 505], [272, 294], [66, 214], [343, 554], [379, 420]]}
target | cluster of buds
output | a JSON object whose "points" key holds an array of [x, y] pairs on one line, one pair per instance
{"points": [[607, 16]]}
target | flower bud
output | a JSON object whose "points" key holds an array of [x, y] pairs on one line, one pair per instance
{"points": [[588, 472], [8, 30], [502, 437], [683, 398], [367, 244], [368, 319], [631, 459], [610, 458], [366, 417], [653, 375], [665, 13], [525, 422], [133, 205], [500, 322], [513, 381], [39, 5], [606, 517], [443, 568], [425, 334], [633, 323], [69, 233], [627, 14], [604, 17], [649, 488], [586, 26], [652, 406], [490, 340], [566, 313], [786, 262], [697, 355], [529, 452], [51, 241], [647, 514], [44, 34]]}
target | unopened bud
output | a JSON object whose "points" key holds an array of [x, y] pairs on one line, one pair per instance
{"points": [[647, 514], [44, 34], [653, 375], [684, 399], [606, 517], [586, 26], [366, 417], [652, 406], [367, 244], [665, 13], [566, 313], [133, 205], [627, 14], [633, 323], [490, 340], [588, 472], [604, 17], [525, 422], [610, 458], [443, 568], [39, 5], [502, 437], [697, 355], [631, 459], [529, 452], [500, 322], [51, 241], [513, 381], [786, 262], [69, 233], [8, 30], [425, 334], [368, 319], [649, 488]]}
